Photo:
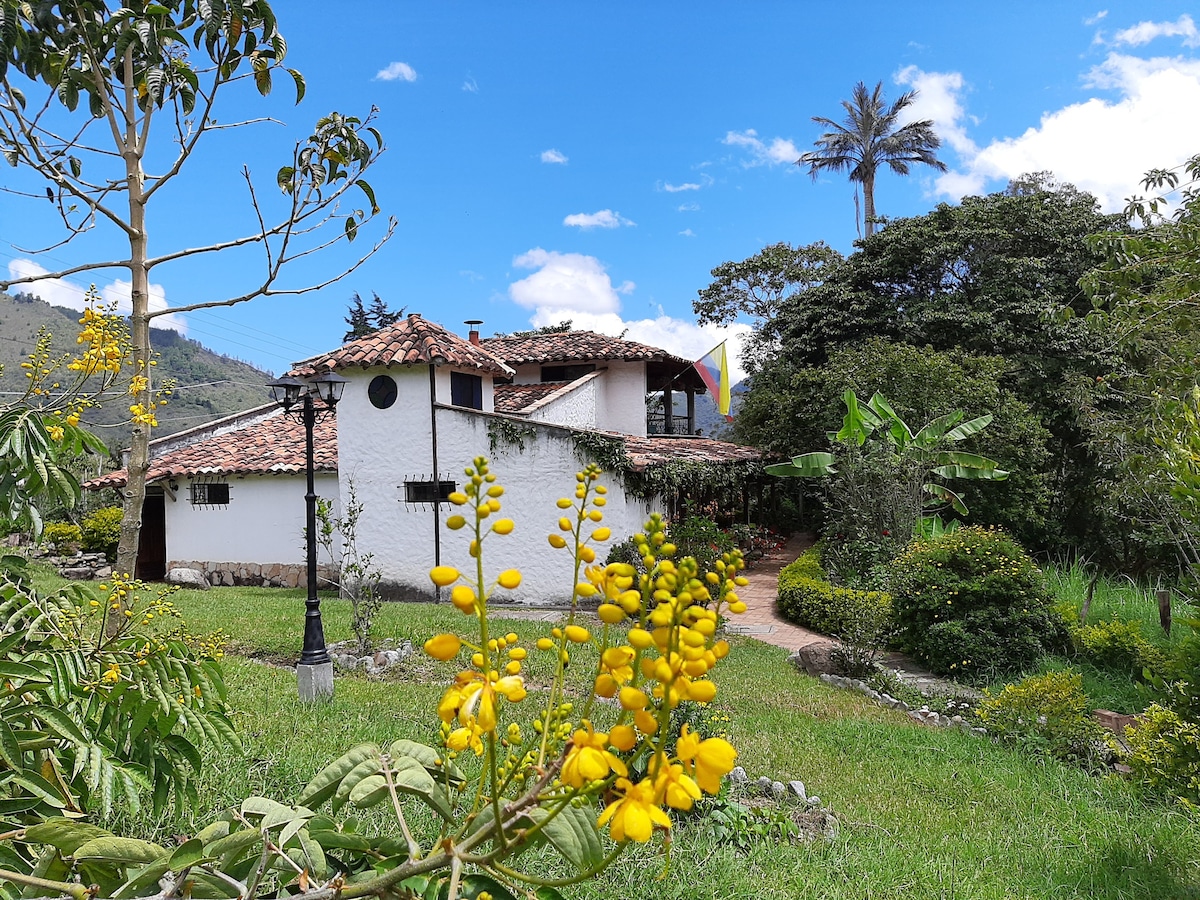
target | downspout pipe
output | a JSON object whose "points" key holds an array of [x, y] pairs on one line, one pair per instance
{"points": [[437, 481]]}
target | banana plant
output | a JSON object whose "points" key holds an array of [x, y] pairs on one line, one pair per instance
{"points": [[876, 420]]}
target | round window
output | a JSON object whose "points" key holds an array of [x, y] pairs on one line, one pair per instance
{"points": [[382, 391]]}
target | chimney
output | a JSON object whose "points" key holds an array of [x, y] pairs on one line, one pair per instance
{"points": [[473, 334]]}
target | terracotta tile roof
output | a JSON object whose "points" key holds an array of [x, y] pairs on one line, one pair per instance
{"points": [[514, 398], [273, 445], [644, 452], [571, 346], [411, 341]]}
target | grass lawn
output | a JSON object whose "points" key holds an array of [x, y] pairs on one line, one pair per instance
{"points": [[923, 813]]}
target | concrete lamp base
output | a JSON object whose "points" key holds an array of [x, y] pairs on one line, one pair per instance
{"points": [[315, 682]]}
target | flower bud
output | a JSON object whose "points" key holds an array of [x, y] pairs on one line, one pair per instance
{"points": [[610, 614], [443, 646], [578, 634], [443, 576], [455, 522], [509, 579], [503, 526]]}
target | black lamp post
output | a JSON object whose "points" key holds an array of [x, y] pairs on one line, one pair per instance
{"points": [[314, 674]]}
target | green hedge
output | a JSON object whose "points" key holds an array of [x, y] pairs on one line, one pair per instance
{"points": [[807, 598]]}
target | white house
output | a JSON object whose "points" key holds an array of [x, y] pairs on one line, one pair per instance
{"points": [[419, 404]]}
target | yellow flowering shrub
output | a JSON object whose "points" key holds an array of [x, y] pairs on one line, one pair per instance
{"points": [[669, 650], [592, 751]]}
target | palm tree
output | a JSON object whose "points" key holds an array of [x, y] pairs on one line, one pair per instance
{"points": [[868, 138]]}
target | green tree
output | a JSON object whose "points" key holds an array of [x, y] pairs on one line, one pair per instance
{"points": [[869, 138], [921, 384], [163, 64], [1144, 415], [381, 315], [758, 286], [991, 278], [358, 319]]}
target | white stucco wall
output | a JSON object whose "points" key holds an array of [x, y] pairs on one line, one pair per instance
{"points": [[263, 523], [533, 479], [578, 408], [622, 399], [381, 449]]}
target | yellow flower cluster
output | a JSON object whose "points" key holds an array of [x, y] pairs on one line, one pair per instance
{"points": [[472, 702], [657, 646], [104, 341]]}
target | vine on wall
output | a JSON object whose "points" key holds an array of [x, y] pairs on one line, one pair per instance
{"points": [[503, 433]]}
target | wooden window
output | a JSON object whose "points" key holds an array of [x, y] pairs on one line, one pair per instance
{"points": [[466, 390]]}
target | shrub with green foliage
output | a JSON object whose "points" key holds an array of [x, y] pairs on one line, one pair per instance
{"points": [[1119, 645], [807, 598], [1047, 714], [1164, 754], [702, 538], [90, 720], [64, 537], [972, 603], [102, 531]]}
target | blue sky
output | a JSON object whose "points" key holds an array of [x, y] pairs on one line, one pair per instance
{"points": [[548, 161]]}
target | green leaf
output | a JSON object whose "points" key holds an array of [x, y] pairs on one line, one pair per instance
{"points": [[340, 840], [434, 762], [10, 750], [234, 844], [410, 777], [188, 854], [60, 723], [574, 833], [806, 465], [65, 835], [325, 783], [300, 87], [370, 791], [364, 769], [120, 850]]}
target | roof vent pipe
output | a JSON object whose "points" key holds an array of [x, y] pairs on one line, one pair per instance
{"points": [[473, 334]]}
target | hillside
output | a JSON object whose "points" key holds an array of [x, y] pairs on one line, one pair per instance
{"points": [[210, 385]]}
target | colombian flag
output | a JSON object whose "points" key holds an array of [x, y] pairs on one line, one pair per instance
{"points": [[714, 370]]}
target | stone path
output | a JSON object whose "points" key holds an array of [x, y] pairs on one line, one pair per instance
{"points": [[760, 620]]}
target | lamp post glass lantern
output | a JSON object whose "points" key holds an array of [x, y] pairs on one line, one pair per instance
{"points": [[299, 399]]}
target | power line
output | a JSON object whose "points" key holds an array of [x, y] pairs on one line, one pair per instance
{"points": [[287, 350]]}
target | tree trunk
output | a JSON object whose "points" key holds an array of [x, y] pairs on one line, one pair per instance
{"points": [[139, 326], [869, 204]]}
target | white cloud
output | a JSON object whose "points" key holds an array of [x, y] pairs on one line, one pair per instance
{"points": [[554, 156], [1096, 19], [470, 275], [779, 150], [688, 207], [59, 292], [705, 181], [939, 99], [577, 287], [687, 232], [604, 218], [1099, 145], [471, 86], [564, 283], [397, 71], [1145, 32]]}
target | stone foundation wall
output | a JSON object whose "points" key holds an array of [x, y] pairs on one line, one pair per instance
{"points": [[241, 574]]}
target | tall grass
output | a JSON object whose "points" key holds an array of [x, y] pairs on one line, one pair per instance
{"points": [[1119, 598]]}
